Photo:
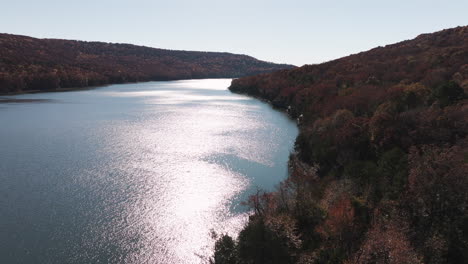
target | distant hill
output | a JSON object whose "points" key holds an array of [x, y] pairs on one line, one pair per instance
{"points": [[380, 168], [429, 59], [28, 64]]}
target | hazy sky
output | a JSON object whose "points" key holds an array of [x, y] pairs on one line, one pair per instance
{"points": [[296, 32]]}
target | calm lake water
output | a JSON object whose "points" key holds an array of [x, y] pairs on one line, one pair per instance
{"points": [[134, 173]]}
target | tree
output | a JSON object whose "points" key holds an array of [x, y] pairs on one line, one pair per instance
{"points": [[225, 250], [448, 93]]}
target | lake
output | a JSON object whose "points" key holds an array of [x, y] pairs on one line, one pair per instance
{"points": [[133, 173]]}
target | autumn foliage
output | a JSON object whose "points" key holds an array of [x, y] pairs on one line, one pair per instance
{"points": [[30, 64], [380, 169]]}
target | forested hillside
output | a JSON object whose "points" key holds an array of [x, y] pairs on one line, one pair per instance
{"points": [[380, 168], [31, 64]]}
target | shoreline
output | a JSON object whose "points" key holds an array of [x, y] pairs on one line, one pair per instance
{"points": [[54, 90], [72, 89]]}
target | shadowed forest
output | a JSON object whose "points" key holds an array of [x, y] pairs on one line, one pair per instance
{"points": [[30, 64], [380, 168]]}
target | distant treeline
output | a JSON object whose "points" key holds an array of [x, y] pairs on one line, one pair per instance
{"points": [[380, 168], [31, 64]]}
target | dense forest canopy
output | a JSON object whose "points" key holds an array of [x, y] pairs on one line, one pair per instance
{"points": [[380, 168], [31, 64]]}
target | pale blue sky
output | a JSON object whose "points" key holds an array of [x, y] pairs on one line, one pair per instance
{"points": [[296, 32]]}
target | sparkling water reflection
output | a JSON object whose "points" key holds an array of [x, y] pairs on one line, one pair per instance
{"points": [[135, 173]]}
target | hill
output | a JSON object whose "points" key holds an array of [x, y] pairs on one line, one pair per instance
{"points": [[31, 64], [380, 168]]}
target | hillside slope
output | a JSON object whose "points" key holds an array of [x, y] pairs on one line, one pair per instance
{"points": [[380, 171], [45, 64]]}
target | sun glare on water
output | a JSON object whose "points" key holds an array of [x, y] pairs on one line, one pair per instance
{"points": [[198, 188], [141, 173]]}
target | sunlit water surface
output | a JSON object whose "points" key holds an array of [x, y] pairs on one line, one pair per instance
{"points": [[134, 173]]}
